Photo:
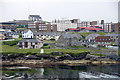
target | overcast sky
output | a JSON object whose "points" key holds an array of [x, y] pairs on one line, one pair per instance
{"points": [[57, 9]]}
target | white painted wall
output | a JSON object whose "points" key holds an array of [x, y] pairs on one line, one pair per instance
{"points": [[28, 34], [15, 36], [64, 26]]}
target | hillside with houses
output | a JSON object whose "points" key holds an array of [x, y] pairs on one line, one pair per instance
{"points": [[35, 33]]}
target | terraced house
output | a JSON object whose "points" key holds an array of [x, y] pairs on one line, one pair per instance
{"points": [[113, 37], [90, 39], [30, 44], [103, 41], [47, 35]]}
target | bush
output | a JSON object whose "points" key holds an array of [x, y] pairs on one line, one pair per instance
{"points": [[98, 54], [28, 53], [6, 53], [46, 47], [52, 39], [45, 44], [77, 46], [21, 36], [10, 43]]}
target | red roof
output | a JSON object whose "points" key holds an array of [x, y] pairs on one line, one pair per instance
{"points": [[96, 26], [90, 28], [73, 29]]}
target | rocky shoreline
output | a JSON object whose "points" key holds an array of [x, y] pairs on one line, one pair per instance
{"points": [[48, 63], [45, 60]]}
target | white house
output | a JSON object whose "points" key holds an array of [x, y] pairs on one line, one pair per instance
{"points": [[27, 34]]}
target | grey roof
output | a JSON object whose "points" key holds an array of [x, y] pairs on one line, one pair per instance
{"points": [[7, 30], [13, 33], [34, 16], [26, 30], [67, 35], [93, 36], [111, 34], [20, 21], [10, 33], [3, 32], [31, 40]]}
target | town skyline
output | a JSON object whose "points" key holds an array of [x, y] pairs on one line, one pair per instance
{"points": [[51, 10]]}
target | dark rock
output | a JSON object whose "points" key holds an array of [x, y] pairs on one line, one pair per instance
{"points": [[12, 56], [66, 57], [78, 56], [57, 53], [92, 57], [45, 56], [31, 57]]}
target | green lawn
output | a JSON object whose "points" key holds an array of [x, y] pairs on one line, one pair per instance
{"points": [[66, 50], [7, 48], [48, 41], [14, 49]]}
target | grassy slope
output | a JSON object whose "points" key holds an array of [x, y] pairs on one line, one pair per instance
{"points": [[6, 48], [14, 49]]}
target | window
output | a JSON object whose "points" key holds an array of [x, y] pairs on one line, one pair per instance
{"points": [[20, 42]]}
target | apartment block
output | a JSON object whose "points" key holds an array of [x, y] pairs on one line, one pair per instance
{"points": [[107, 27], [41, 26], [87, 23], [83, 24], [115, 27], [62, 25], [8, 25]]}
